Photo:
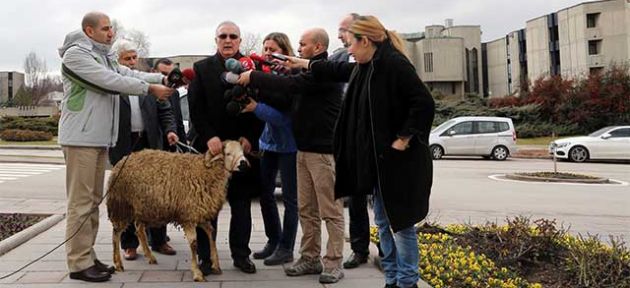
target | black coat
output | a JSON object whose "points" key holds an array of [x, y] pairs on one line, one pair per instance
{"points": [[156, 117], [316, 108], [399, 106], [176, 109], [207, 107]]}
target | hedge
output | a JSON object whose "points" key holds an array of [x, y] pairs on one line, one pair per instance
{"points": [[25, 135]]}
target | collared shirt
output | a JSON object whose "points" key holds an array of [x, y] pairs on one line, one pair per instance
{"points": [[136, 115]]}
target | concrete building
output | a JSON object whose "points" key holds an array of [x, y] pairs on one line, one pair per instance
{"points": [[10, 83], [448, 58], [572, 42], [593, 36], [505, 64], [183, 61]]}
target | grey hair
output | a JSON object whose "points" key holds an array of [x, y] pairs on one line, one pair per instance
{"points": [[123, 45], [227, 23]]}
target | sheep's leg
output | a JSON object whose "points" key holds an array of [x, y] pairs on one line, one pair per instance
{"points": [[118, 230], [191, 236], [214, 255], [141, 232]]}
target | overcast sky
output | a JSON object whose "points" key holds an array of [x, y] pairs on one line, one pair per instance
{"points": [[187, 26]]}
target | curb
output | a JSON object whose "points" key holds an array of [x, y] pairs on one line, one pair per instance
{"points": [[31, 147], [29, 233], [549, 179], [32, 160]]}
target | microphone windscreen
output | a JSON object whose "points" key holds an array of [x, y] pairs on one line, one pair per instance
{"points": [[230, 77], [233, 66], [247, 63], [189, 74], [233, 108]]}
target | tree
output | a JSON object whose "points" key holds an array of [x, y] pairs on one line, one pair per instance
{"points": [[251, 43], [139, 38], [38, 82]]}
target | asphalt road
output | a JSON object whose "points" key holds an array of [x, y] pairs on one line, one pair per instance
{"points": [[463, 192]]}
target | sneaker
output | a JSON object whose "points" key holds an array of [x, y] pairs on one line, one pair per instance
{"points": [[281, 256], [330, 276], [265, 252], [305, 266], [355, 260]]}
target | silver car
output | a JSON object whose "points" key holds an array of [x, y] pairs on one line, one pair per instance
{"points": [[490, 137]]}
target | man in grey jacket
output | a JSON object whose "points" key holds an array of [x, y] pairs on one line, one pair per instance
{"points": [[92, 82]]}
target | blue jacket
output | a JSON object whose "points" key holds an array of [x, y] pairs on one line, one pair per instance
{"points": [[277, 135]]}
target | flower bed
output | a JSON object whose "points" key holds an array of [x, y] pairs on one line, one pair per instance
{"points": [[14, 223], [519, 254]]}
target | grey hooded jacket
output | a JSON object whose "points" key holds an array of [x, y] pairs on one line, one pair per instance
{"points": [[92, 82]]}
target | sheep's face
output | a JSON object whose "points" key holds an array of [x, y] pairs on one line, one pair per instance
{"points": [[234, 158]]}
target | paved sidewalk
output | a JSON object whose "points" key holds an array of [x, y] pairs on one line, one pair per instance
{"points": [[171, 271]]}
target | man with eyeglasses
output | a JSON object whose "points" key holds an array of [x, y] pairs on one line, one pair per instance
{"points": [[213, 125]]}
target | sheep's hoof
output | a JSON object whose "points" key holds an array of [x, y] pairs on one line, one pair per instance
{"points": [[199, 278], [120, 268], [152, 261], [216, 271]]}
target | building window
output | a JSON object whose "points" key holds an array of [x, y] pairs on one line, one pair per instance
{"points": [[428, 62], [592, 19], [594, 47], [596, 70]]}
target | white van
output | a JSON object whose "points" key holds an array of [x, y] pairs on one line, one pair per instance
{"points": [[490, 137]]}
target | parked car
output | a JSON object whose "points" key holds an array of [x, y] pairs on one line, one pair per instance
{"points": [[608, 143], [490, 137]]}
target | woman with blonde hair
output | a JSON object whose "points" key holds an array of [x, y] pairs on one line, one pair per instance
{"points": [[381, 140]]}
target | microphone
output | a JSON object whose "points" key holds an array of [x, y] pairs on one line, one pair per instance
{"points": [[260, 59], [234, 66], [247, 63], [229, 78], [189, 74]]}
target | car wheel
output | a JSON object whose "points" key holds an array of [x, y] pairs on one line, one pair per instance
{"points": [[500, 153], [436, 152], [578, 154]]}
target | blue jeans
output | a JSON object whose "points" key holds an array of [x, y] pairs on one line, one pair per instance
{"points": [[283, 237], [400, 249]]}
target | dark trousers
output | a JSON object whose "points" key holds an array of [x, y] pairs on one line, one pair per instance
{"points": [[241, 187], [359, 225], [271, 162], [157, 235]]}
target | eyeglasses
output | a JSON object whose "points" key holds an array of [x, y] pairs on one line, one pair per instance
{"points": [[225, 36]]}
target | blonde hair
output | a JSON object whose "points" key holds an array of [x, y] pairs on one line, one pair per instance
{"points": [[371, 27], [282, 40]]}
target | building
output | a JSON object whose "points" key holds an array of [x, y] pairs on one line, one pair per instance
{"points": [[10, 83], [448, 58], [572, 42], [183, 61]]}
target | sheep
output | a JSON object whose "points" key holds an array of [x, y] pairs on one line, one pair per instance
{"points": [[155, 188]]}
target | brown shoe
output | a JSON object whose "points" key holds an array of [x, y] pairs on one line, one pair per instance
{"points": [[91, 274], [130, 254], [165, 249]]}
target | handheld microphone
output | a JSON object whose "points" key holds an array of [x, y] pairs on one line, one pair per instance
{"points": [[260, 59], [189, 74], [247, 63], [229, 78], [234, 66]]}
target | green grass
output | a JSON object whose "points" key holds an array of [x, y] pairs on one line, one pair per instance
{"points": [[26, 143], [537, 141]]}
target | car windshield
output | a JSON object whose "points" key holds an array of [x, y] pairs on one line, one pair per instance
{"points": [[600, 132], [443, 126]]}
